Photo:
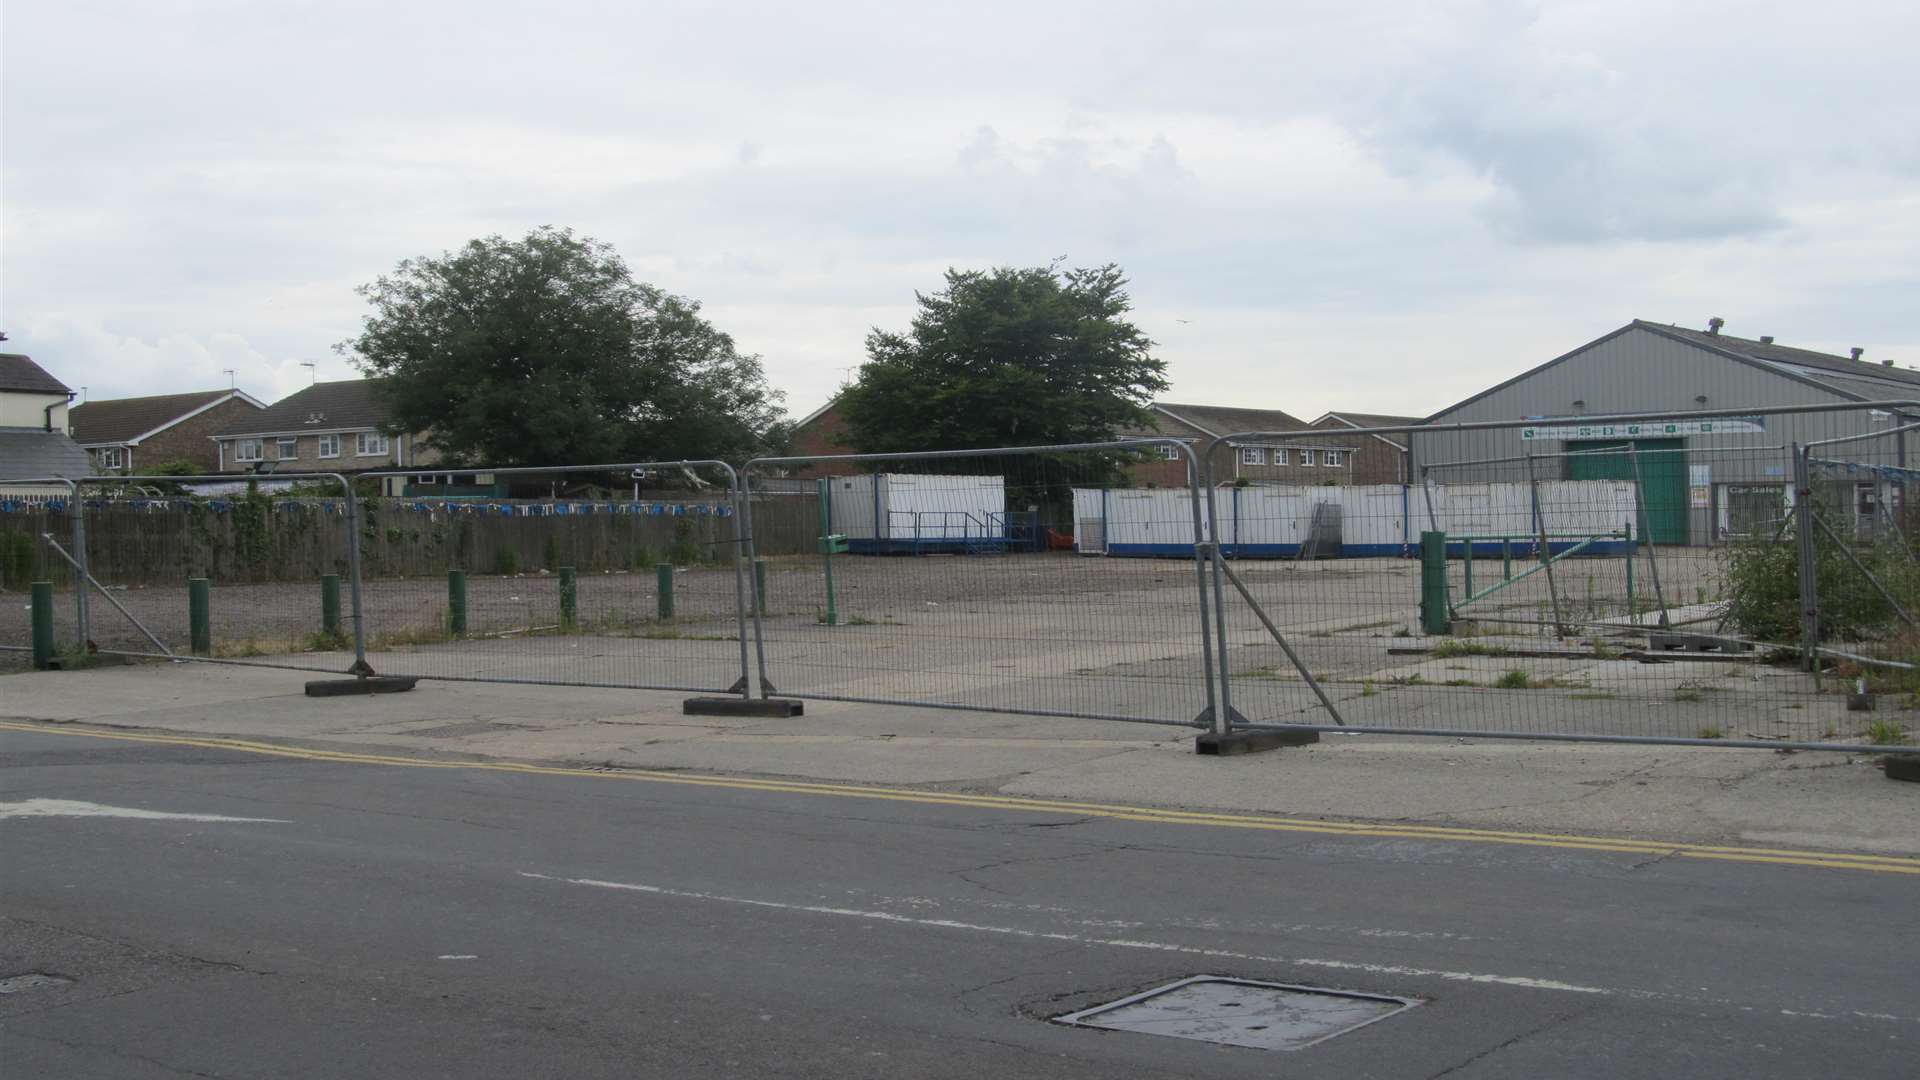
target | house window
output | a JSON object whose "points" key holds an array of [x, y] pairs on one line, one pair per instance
{"points": [[1253, 455], [370, 444], [1279, 455], [113, 457], [329, 446], [1336, 458], [1306, 457], [429, 479], [288, 449], [1170, 452], [246, 450]]}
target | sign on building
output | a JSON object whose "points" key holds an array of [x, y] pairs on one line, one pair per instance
{"points": [[1656, 429]]}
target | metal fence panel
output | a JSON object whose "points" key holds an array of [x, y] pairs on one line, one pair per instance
{"points": [[951, 579], [1608, 584]]}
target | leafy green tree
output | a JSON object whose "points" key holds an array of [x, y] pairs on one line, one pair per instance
{"points": [[1007, 357], [546, 351]]}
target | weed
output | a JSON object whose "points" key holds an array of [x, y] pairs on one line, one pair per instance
{"points": [[1367, 690], [1407, 680], [1710, 732], [327, 640], [1451, 647], [1460, 682], [1514, 680], [1691, 693], [1886, 733], [235, 649], [859, 620], [506, 561], [1592, 695]]}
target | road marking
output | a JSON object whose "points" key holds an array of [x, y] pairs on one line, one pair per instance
{"points": [[1829, 860], [458, 956], [72, 808], [1081, 939]]}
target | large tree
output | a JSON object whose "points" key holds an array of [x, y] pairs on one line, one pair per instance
{"points": [[1004, 358], [546, 351]]}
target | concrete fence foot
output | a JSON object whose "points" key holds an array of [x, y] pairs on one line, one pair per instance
{"points": [[734, 706], [1250, 742], [373, 684]]}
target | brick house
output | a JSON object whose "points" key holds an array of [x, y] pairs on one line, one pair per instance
{"points": [[126, 435], [818, 432], [1253, 460], [328, 427], [1377, 459]]}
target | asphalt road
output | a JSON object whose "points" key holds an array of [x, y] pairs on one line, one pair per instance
{"points": [[385, 920]]}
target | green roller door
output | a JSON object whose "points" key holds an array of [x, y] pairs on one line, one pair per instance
{"points": [[1663, 481]]}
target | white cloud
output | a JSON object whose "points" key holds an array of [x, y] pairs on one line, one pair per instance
{"points": [[1380, 207]]}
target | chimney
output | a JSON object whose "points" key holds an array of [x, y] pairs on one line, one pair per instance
{"points": [[1767, 339], [1714, 324], [1856, 351]]}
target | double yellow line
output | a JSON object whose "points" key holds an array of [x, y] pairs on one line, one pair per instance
{"points": [[1832, 860]]}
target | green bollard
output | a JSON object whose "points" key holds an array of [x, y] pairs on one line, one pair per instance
{"points": [[760, 586], [1506, 557], [1630, 545], [663, 575], [569, 598], [1433, 583], [456, 602], [42, 625], [199, 616], [330, 605], [1466, 567]]}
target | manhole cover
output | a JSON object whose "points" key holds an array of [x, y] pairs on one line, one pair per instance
{"points": [[1240, 1012], [32, 980]]}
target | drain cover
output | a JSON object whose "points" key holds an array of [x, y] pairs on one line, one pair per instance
{"points": [[1240, 1012], [32, 980]]}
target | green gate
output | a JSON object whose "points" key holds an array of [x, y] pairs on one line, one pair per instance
{"points": [[1663, 481]]}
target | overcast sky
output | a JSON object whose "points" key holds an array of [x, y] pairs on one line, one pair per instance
{"points": [[1372, 207]]}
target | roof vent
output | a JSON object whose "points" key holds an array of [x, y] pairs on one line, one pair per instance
{"points": [[1714, 324], [316, 418], [1767, 339], [1856, 351]]}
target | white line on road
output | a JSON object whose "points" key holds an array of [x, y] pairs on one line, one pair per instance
{"points": [[72, 808], [1117, 943]]}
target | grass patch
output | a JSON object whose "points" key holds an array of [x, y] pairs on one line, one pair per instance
{"points": [[1367, 690], [236, 650], [328, 640], [1691, 693], [1514, 680], [1710, 732], [1886, 733], [389, 639], [1407, 680], [1460, 682], [1451, 647]]}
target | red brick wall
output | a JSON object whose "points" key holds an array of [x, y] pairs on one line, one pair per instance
{"points": [[190, 440], [821, 435]]}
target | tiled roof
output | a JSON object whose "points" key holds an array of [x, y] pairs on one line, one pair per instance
{"points": [[1224, 420], [31, 453], [19, 372], [329, 406], [121, 419]]}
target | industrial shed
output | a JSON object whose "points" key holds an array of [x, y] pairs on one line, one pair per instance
{"points": [[1703, 482]]}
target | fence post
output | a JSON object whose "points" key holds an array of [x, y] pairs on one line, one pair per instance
{"points": [[43, 625], [330, 605], [663, 577], [360, 666], [569, 607], [1433, 583], [760, 585], [82, 592], [456, 602], [199, 616], [1466, 568], [1630, 547], [1809, 587]]}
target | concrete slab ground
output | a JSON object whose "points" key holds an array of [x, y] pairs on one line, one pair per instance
{"points": [[1821, 800]]}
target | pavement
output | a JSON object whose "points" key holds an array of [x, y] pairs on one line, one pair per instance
{"points": [[1821, 801], [190, 905]]}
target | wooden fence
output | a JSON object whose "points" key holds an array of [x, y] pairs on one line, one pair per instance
{"points": [[241, 541]]}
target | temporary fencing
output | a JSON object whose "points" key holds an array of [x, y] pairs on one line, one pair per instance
{"points": [[947, 579], [1610, 581], [1720, 577]]}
